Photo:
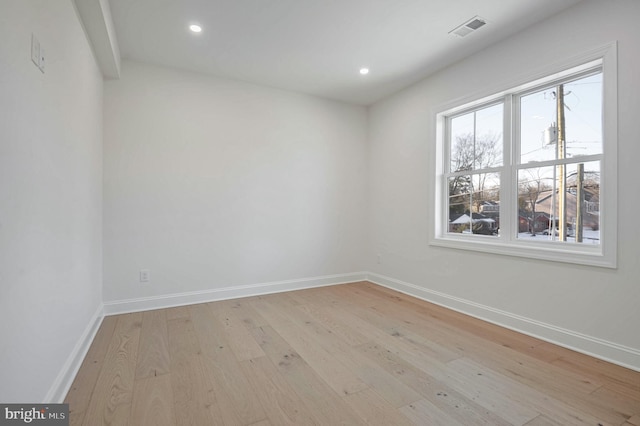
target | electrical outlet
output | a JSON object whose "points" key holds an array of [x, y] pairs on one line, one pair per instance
{"points": [[145, 275], [379, 258]]}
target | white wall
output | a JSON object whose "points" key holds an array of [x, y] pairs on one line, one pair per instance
{"points": [[211, 183], [594, 302], [50, 196]]}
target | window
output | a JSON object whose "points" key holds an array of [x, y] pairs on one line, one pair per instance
{"points": [[524, 172]]}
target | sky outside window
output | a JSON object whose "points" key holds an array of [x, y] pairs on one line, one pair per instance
{"points": [[583, 120]]}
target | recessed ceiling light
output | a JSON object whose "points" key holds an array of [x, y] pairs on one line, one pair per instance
{"points": [[195, 28], [364, 71]]}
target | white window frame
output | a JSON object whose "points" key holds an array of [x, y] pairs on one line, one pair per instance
{"points": [[507, 243]]}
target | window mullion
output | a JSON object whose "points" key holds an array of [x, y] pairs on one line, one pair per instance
{"points": [[477, 171], [506, 176], [565, 161]]}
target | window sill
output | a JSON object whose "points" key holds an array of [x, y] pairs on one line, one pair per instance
{"points": [[551, 251]]}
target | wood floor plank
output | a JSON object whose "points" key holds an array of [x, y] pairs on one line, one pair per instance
{"points": [[585, 364], [351, 354], [372, 325], [390, 331], [242, 343], [375, 410], [386, 385], [153, 402], [406, 328], [611, 405], [514, 400], [435, 390], [245, 313], [418, 315], [338, 376], [542, 420], [264, 422], [495, 395], [635, 420], [282, 404], [193, 396], [615, 377], [183, 342], [320, 307], [82, 387], [153, 356], [233, 392], [331, 319], [423, 412], [113, 393], [177, 312], [566, 411], [322, 401], [486, 330]]}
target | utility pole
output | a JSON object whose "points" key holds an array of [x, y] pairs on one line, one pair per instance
{"points": [[562, 174], [579, 202]]}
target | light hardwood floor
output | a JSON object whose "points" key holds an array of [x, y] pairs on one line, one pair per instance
{"points": [[355, 354]]}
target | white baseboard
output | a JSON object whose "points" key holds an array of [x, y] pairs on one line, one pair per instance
{"points": [[592, 346], [181, 299], [67, 374]]}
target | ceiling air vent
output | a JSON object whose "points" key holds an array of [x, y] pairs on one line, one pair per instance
{"points": [[468, 27]]}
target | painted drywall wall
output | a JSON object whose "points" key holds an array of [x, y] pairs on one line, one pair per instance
{"points": [[212, 183], [50, 195], [595, 302]]}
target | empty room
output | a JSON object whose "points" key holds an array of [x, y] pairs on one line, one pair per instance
{"points": [[358, 212]]}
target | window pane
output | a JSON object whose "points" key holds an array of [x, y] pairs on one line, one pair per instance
{"points": [[583, 116], [474, 204], [486, 203], [536, 201], [583, 183], [476, 139], [582, 119], [459, 203], [537, 126], [489, 122], [540, 204]]}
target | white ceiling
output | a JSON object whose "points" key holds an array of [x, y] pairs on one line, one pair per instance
{"points": [[317, 47]]}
